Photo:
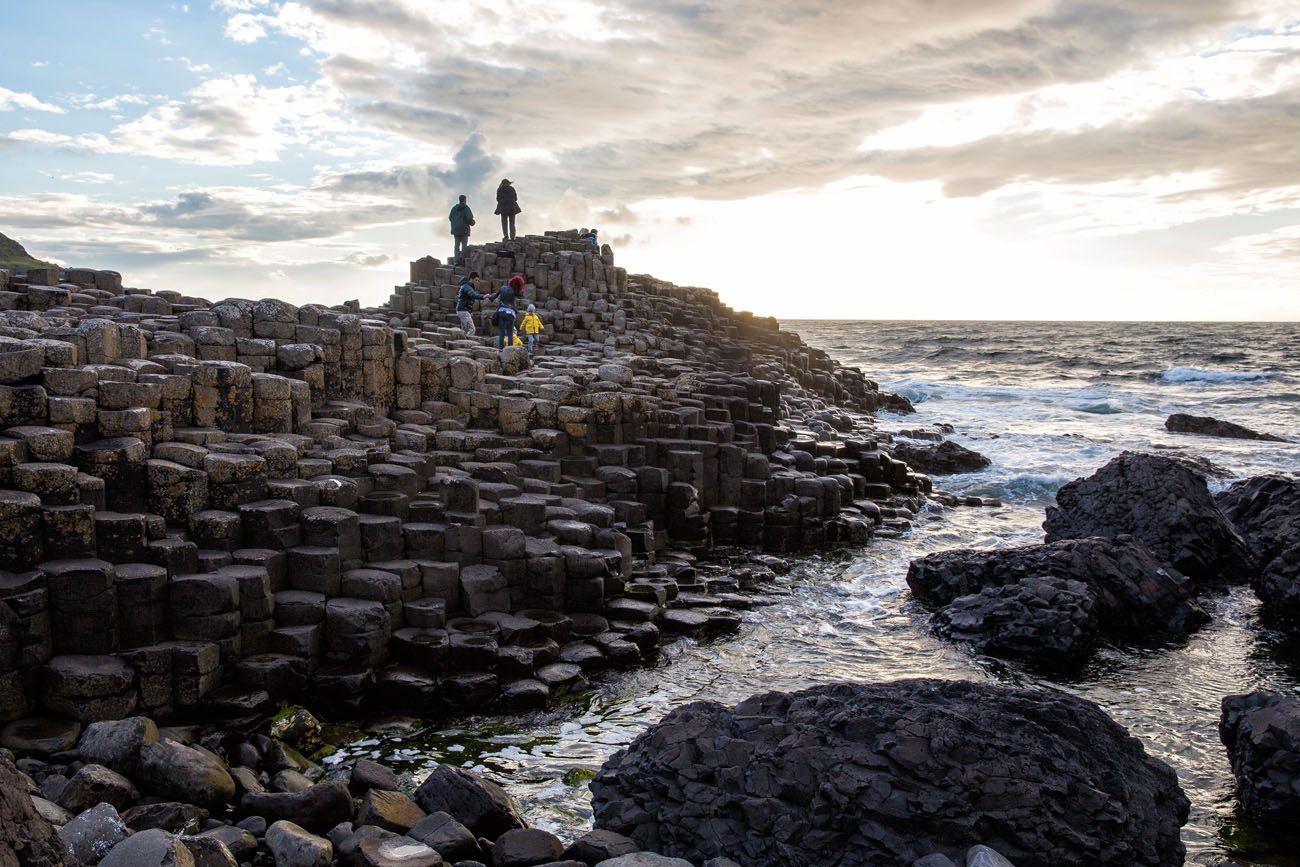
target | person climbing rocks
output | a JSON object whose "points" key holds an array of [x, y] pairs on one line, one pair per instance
{"points": [[507, 207], [532, 328], [591, 238], [505, 298], [465, 299], [461, 218]]}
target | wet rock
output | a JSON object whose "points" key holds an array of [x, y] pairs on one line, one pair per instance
{"points": [[392, 811], [1266, 511], [171, 816], [93, 784], [293, 846], [25, 837], [1261, 731], [526, 847], [935, 860], [240, 842], [154, 848], [983, 856], [1161, 502], [452, 840], [599, 845], [173, 770], [1135, 598], [317, 809], [367, 775], [1049, 620], [811, 777], [644, 859], [944, 459], [298, 728], [116, 744], [91, 834], [209, 852], [1205, 425], [480, 805]]}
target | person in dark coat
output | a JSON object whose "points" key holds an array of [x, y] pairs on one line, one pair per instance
{"points": [[461, 218], [505, 298], [465, 299], [507, 207]]}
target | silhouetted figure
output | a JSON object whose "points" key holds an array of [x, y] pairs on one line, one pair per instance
{"points": [[461, 218], [507, 207]]}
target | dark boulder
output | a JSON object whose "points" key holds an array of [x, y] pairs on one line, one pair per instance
{"points": [[316, 808], [1266, 512], [478, 804], [1262, 733], [867, 774], [1050, 620], [1164, 503], [25, 837], [1181, 422], [943, 459], [1136, 598]]}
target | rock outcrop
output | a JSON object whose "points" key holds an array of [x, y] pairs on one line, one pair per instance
{"points": [[206, 507], [1055, 597], [943, 459], [865, 774], [1162, 502], [1205, 425], [26, 838], [1266, 512], [1261, 731]]}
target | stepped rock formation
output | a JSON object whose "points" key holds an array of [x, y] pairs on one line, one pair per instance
{"points": [[208, 506], [885, 773]]}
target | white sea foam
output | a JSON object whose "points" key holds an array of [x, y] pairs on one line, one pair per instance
{"points": [[1178, 373]]}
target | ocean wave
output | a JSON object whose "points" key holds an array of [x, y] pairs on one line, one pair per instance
{"points": [[1177, 373], [1101, 407], [1026, 488]]}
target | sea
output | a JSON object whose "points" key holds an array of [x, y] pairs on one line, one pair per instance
{"points": [[1047, 402]]}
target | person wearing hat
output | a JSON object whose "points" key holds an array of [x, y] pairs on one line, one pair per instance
{"points": [[461, 218], [504, 318], [532, 328], [507, 207]]}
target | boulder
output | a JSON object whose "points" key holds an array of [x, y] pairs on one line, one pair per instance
{"points": [[478, 804], [1262, 733], [1266, 512], [294, 846], [449, 838], [599, 845], [25, 837], [193, 776], [92, 834], [317, 809], [1052, 620], [116, 743], [93, 784], [154, 848], [1181, 422], [1162, 502], [1136, 598], [865, 774], [526, 847], [943, 459]]}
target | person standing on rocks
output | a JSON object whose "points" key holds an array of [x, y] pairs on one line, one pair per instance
{"points": [[505, 316], [532, 328], [461, 218], [465, 299], [507, 207]]}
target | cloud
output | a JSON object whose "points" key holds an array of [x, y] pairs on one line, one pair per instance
{"points": [[368, 260], [11, 100]]}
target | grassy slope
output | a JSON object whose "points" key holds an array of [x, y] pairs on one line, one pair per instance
{"points": [[14, 258]]}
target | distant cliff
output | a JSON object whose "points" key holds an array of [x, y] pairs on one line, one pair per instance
{"points": [[14, 256]]}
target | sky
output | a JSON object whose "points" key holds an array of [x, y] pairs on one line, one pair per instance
{"points": [[913, 159]]}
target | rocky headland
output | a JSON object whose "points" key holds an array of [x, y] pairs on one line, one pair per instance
{"points": [[214, 508]]}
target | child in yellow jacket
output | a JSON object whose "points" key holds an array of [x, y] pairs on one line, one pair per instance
{"points": [[531, 328]]}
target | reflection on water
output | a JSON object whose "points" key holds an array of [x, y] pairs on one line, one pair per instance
{"points": [[848, 618]]}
